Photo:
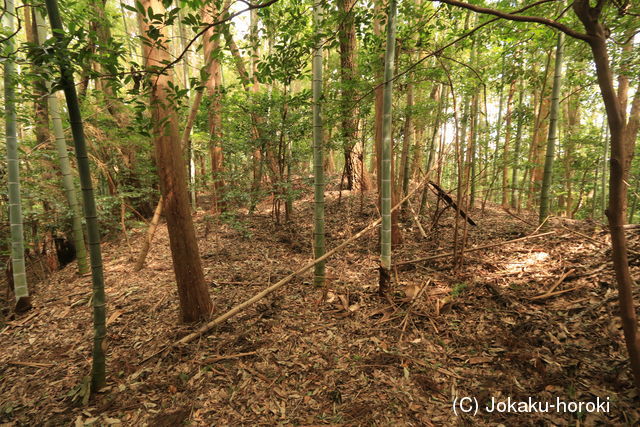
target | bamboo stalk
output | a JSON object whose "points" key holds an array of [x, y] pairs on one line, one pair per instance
{"points": [[318, 152], [23, 302], [98, 368]]}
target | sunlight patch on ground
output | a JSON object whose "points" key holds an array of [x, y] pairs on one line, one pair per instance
{"points": [[531, 259]]}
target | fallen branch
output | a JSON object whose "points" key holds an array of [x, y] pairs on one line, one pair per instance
{"points": [[556, 293], [405, 321], [240, 307], [555, 285], [31, 364], [226, 357], [478, 248], [417, 221]]}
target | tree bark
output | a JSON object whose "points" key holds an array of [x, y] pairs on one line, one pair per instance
{"points": [[195, 302], [589, 16], [354, 170], [213, 87]]}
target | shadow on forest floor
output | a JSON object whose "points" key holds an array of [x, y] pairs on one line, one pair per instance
{"points": [[339, 356]]}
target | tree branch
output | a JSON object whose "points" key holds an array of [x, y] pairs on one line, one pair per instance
{"points": [[211, 25], [519, 18]]}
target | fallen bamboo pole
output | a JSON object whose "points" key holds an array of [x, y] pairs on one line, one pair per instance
{"points": [[493, 245], [240, 307]]}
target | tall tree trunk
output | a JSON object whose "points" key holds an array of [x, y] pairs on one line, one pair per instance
{"points": [[195, 302], [571, 129], [39, 87], [617, 186], [255, 89], [353, 158], [539, 129], [553, 131], [213, 85], [65, 164], [151, 231], [195, 99], [406, 146], [21, 290], [318, 151], [439, 96], [386, 172], [98, 369]]}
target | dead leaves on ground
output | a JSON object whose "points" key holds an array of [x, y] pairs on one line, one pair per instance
{"points": [[335, 356]]}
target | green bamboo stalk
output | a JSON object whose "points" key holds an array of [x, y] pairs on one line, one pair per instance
{"points": [[65, 164], [318, 154], [385, 199], [553, 131], [98, 369], [515, 187], [21, 290]]}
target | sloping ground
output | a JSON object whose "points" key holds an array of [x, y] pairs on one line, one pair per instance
{"points": [[343, 356]]}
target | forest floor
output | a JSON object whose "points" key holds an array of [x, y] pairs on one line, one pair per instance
{"points": [[339, 356]]}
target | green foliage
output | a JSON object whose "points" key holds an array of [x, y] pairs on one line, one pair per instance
{"points": [[458, 289]]}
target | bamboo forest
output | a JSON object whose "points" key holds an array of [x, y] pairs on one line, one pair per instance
{"points": [[320, 212]]}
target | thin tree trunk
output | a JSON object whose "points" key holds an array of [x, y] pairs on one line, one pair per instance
{"points": [[538, 130], [617, 186], [151, 231], [515, 185], [553, 132], [406, 146], [213, 87], [352, 155], [41, 125]]}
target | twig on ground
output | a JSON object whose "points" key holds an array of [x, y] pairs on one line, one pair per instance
{"points": [[555, 285], [477, 248]]}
